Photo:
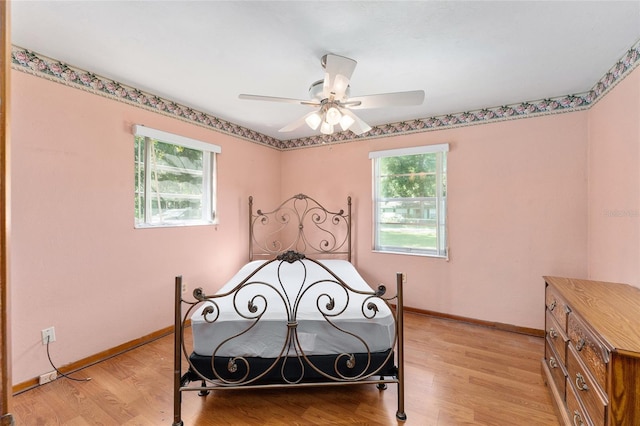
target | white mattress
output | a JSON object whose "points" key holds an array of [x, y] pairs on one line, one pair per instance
{"points": [[316, 336]]}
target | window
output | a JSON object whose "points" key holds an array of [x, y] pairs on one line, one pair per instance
{"points": [[410, 200], [174, 179]]}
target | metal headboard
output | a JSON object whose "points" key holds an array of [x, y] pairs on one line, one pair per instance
{"points": [[301, 224]]}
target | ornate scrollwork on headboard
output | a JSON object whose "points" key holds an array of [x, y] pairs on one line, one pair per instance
{"points": [[300, 224]]}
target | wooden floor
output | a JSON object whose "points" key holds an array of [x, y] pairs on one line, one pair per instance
{"points": [[456, 374]]}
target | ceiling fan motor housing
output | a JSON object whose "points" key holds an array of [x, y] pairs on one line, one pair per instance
{"points": [[317, 88]]}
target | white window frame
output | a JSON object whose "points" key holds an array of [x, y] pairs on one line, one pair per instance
{"points": [[209, 179], [442, 248]]}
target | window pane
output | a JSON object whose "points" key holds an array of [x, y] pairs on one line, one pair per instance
{"points": [[178, 156], [408, 176], [408, 223], [139, 178], [176, 183]]}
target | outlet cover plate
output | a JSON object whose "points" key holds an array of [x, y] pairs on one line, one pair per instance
{"points": [[48, 377], [50, 334]]}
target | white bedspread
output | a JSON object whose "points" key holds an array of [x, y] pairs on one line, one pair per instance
{"points": [[315, 335]]}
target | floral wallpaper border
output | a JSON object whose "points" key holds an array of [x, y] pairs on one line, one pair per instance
{"points": [[39, 65]]}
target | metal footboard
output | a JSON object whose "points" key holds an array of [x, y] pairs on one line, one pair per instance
{"points": [[349, 368]]}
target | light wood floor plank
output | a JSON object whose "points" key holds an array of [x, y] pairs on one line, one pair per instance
{"points": [[456, 374]]}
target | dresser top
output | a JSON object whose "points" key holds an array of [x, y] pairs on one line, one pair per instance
{"points": [[611, 309]]}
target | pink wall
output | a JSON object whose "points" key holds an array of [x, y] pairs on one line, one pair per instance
{"points": [[614, 184], [517, 200], [77, 263]]}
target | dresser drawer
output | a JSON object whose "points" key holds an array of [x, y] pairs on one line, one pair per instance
{"points": [[556, 367], [556, 336], [575, 410], [589, 349], [556, 306], [586, 390]]}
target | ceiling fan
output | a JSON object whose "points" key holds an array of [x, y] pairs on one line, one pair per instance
{"points": [[330, 97]]}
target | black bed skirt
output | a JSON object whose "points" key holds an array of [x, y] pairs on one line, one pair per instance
{"points": [[294, 368]]}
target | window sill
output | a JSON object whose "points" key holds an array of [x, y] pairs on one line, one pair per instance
{"points": [[412, 253], [174, 225]]}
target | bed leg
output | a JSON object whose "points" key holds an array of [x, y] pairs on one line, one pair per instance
{"points": [[381, 386], [177, 360], [203, 392], [400, 414]]}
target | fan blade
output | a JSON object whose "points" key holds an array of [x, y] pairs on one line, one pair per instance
{"points": [[277, 99], [358, 127], [414, 97], [298, 123], [338, 71]]}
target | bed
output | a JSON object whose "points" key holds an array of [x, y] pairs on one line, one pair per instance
{"points": [[298, 314]]}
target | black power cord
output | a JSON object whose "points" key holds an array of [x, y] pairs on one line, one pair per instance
{"points": [[60, 373]]}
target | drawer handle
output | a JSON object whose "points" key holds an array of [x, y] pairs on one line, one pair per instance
{"points": [[577, 418], [553, 363], [552, 305], [552, 333], [580, 383], [581, 344]]}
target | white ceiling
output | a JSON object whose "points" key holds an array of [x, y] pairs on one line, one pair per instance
{"points": [[465, 55]]}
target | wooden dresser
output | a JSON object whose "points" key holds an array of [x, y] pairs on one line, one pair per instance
{"points": [[592, 352]]}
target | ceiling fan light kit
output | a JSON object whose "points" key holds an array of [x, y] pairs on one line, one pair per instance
{"points": [[313, 120], [346, 122], [326, 128], [331, 97], [332, 116]]}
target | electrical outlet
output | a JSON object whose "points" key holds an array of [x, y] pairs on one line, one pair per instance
{"points": [[48, 377], [184, 287], [48, 335]]}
